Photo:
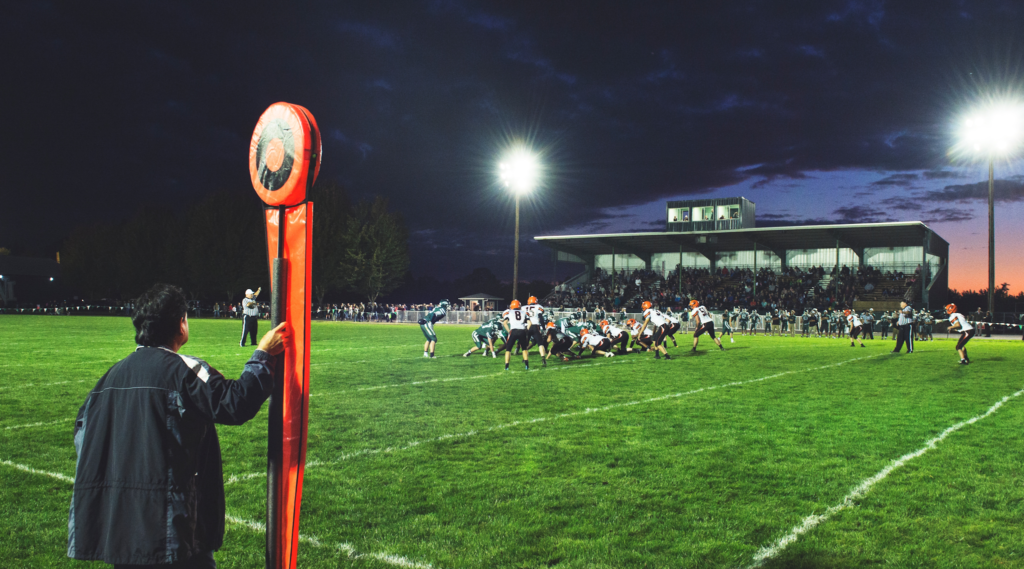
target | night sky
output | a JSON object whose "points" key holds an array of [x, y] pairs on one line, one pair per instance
{"points": [[816, 111]]}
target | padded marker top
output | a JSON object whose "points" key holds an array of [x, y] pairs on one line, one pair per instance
{"points": [[284, 154]]}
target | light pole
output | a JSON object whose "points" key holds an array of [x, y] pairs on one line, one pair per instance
{"points": [[991, 132], [518, 172]]}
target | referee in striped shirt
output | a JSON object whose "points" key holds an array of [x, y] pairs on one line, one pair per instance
{"points": [[904, 326], [251, 317]]}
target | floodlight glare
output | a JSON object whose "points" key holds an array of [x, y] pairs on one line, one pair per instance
{"points": [[519, 171], [996, 130]]}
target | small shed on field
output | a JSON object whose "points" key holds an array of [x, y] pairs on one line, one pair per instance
{"points": [[481, 301]]}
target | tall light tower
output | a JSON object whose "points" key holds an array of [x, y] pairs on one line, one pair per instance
{"points": [[994, 131], [519, 172]]}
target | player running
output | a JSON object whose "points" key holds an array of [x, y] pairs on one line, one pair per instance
{"points": [[516, 323], [427, 326], [706, 324], [856, 326], [596, 343], [657, 320], [617, 336], [959, 323]]}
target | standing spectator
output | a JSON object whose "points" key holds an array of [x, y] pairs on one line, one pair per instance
{"points": [[149, 490], [251, 316]]}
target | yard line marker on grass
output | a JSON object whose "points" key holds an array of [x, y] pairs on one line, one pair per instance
{"points": [[346, 548], [812, 521], [30, 425], [20, 385], [587, 411]]}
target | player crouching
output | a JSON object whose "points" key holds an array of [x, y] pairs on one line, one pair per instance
{"points": [[516, 323], [483, 339], [856, 327], [560, 344], [642, 337], [596, 343], [959, 323], [706, 324], [657, 320], [617, 336]]}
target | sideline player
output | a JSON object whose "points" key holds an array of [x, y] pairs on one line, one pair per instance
{"points": [[706, 324], [427, 326], [657, 320], [517, 325], [959, 323], [617, 336], [596, 343], [856, 326]]}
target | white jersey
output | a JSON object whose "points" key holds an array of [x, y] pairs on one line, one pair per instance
{"points": [[612, 331], [671, 319], [535, 313], [702, 312], [591, 339], [636, 330], [516, 318], [854, 321], [655, 316], [956, 318]]}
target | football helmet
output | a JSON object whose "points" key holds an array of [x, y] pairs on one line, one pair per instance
{"points": [[846, 313], [631, 322], [950, 308], [444, 303], [550, 325], [514, 305], [645, 305], [531, 300], [584, 332], [604, 323], [694, 303]]}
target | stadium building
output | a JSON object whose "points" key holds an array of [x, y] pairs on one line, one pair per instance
{"points": [[719, 233]]}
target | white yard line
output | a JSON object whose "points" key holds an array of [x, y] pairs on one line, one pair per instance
{"points": [[30, 425], [349, 550], [588, 411], [814, 520]]}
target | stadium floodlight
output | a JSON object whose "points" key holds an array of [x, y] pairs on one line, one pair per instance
{"points": [[994, 130], [519, 171]]}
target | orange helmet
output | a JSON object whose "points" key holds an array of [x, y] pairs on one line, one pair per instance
{"points": [[631, 322], [531, 300], [950, 308], [846, 312], [584, 332], [694, 303], [646, 305], [515, 304], [550, 325], [604, 323]]}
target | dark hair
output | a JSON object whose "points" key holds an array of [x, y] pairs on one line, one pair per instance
{"points": [[157, 315]]}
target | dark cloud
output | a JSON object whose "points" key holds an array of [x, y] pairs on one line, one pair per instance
{"points": [[906, 203], [860, 214], [940, 215], [126, 103], [899, 180], [1003, 191]]}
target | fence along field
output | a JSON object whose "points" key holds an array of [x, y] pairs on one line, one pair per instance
{"points": [[786, 451]]}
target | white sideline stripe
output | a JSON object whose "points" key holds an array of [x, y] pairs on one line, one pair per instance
{"points": [[449, 379], [812, 521], [20, 385], [346, 548], [31, 470], [30, 425], [590, 410]]}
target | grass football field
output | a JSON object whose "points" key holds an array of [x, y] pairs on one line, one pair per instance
{"points": [[778, 452]]}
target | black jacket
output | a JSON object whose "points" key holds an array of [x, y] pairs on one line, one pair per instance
{"points": [[148, 483]]}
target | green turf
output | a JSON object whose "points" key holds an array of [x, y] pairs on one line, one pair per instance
{"points": [[454, 463]]}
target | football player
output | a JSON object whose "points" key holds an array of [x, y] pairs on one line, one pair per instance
{"points": [[813, 323], [641, 336], [427, 326], [705, 324], [657, 320], [596, 343], [727, 329], [744, 321], [959, 324], [535, 312], [560, 343], [856, 326], [617, 336], [483, 339], [516, 323], [672, 327]]}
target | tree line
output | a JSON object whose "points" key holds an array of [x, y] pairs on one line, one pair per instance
{"points": [[217, 248]]}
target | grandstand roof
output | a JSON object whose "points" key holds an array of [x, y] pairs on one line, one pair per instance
{"points": [[853, 236]]}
